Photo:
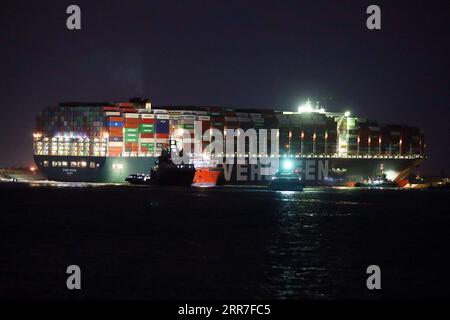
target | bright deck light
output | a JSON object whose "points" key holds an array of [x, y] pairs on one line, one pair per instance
{"points": [[391, 175], [347, 113], [307, 107], [288, 165]]}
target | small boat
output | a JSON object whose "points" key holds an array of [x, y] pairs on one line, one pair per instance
{"points": [[286, 181], [379, 181], [138, 179], [376, 184]]}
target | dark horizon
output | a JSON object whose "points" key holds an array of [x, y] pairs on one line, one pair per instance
{"points": [[261, 54]]}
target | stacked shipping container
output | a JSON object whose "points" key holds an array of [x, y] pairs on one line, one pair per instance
{"points": [[123, 130]]}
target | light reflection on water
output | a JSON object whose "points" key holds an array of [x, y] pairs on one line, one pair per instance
{"points": [[297, 270], [59, 184]]}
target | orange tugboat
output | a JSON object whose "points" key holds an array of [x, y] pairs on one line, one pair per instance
{"points": [[206, 177]]}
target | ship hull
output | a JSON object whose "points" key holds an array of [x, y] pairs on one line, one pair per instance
{"points": [[325, 171], [96, 169], [314, 172]]}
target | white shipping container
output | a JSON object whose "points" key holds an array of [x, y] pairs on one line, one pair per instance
{"points": [[159, 111], [189, 116], [162, 116], [147, 140], [115, 144], [112, 113], [204, 118], [147, 116], [231, 119], [245, 119], [132, 115], [242, 114]]}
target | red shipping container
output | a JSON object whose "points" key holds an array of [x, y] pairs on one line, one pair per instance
{"points": [[131, 145], [149, 121], [206, 125], [131, 123], [115, 131], [110, 108], [128, 110], [131, 120], [125, 104], [162, 135], [114, 119], [147, 135], [217, 119], [114, 151]]}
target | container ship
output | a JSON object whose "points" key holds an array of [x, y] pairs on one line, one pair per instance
{"points": [[107, 141]]}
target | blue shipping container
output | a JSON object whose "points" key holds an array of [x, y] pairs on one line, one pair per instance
{"points": [[162, 126], [116, 124]]}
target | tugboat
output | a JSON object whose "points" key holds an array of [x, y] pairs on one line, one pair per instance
{"points": [[379, 181], [138, 178], [165, 173], [206, 177], [287, 179], [207, 173]]}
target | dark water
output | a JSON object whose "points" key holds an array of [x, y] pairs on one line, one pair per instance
{"points": [[172, 243]]}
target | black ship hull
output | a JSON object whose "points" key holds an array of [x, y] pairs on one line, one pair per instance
{"points": [[324, 171]]}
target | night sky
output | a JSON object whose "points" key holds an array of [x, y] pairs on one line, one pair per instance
{"points": [[268, 54]]}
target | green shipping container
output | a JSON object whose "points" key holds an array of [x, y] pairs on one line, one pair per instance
{"points": [[131, 137], [131, 130], [148, 145], [147, 128]]}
